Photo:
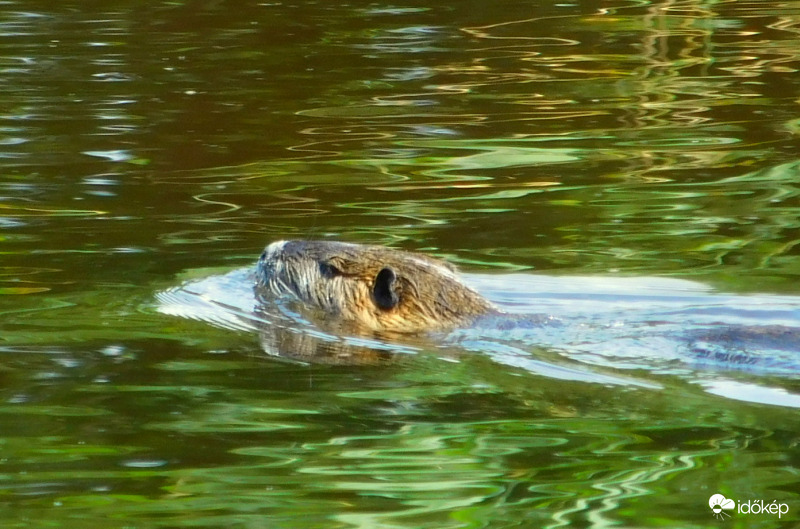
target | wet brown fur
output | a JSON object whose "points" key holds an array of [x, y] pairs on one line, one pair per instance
{"points": [[370, 287]]}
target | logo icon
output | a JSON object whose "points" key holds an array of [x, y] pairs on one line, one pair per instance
{"points": [[719, 504]]}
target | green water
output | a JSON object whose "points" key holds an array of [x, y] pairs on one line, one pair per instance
{"points": [[147, 145]]}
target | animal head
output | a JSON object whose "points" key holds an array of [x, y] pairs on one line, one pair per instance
{"points": [[375, 288]]}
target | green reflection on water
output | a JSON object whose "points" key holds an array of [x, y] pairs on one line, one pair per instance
{"points": [[408, 458], [140, 141]]}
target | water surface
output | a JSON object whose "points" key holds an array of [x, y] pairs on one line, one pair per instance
{"points": [[149, 147]]}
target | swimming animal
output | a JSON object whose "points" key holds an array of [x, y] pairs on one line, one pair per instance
{"points": [[371, 288]]}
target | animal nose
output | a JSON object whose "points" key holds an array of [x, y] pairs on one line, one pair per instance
{"points": [[272, 251]]}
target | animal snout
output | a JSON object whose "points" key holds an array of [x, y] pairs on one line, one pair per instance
{"points": [[272, 251]]}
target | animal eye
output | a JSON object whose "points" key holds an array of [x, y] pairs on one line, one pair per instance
{"points": [[328, 270]]}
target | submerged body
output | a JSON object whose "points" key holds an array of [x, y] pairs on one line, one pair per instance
{"points": [[376, 290], [371, 288]]}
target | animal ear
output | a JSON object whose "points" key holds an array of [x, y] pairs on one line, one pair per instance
{"points": [[384, 290]]}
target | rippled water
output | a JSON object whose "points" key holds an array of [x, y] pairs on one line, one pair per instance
{"points": [[565, 155], [595, 326]]}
